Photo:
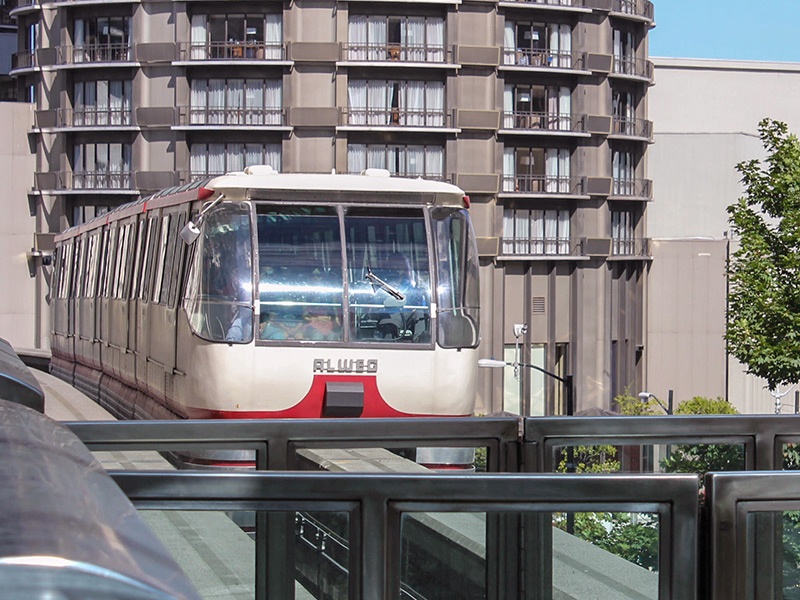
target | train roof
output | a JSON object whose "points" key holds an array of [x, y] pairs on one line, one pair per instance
{"points": [[263, 177]]}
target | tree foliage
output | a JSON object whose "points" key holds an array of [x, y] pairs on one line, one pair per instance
{"points": [[764, 272]]}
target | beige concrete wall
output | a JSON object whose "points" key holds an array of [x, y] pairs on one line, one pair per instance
{"points": [[706, 115], [21, 298]]}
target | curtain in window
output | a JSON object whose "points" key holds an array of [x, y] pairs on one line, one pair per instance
{"points": [[412, 39], [565, 46], [377, 113], [78, 107], [102, 102], [551, 184], [565, 108], [522, 231], [273, 37], [435, 102], [101, 165], [273, 101], [415, 161], [115, 165], [509, 45], [254, 104], [553, 46], [115, 102], [126, 101], [435, 39], [234, 158], [564, 171], [216, 101], [78, 54], [78, 166], [412, 104], [509, 170], [198, 164], [508, 231], [508, 107], [235, 102], [434, 162], [357, 101], [90, 102], [199, 101], [550, 231], [199, 46], [272, 156], [618, 51], [553, 116], [563, 232], [357, 38], [216, 159], [376, 157], [356, 158], [253, 155], [376, 32]]}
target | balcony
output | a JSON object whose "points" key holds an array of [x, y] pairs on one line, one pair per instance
{"points": [[641, 129], [544, 123], [542, 185], [445, 177], [86, 182], [630, 248], [95, 53], [541, 248], [632, 68], [631, 189], [85, 118], [542, 60], [232, 52], [25, 6], [397, 55], [554, 5], [23, 60], [640, 10], [427, 119], [189, 117]]}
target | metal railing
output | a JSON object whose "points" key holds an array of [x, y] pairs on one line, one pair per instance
{"points": [[543, 246], [422, 53], [630, 247], [545, 121], [94, 53], [639, 8], [542, 184], [565, 3], [634, 188], [560, 59], [233, 51], [222, 116], [92, 116], [397, 117], [26, 59], [88, 180], [641, 128], [446, 177], [633, 67]]}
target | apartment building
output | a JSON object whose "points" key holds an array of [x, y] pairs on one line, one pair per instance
{"points": [[536, 108]]}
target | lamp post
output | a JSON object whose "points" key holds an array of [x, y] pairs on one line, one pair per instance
{"points": [[645, 396], [566, 380]]}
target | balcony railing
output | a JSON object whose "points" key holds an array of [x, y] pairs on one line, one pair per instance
{"points": [[630, 247], [232, 50], [397, 117], [636, 188], [95, 53], [231, 116], [555, 59], [640, 128], [540, 246], [639, 8], [542, 184], [446, 177], [545, 121], [85, 180], [25, 59], [421, 53], [633, 67], [564, 3], [93, 117]]}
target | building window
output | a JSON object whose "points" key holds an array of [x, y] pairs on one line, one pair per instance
{"points": [[217, 159], [538, 45], [236, 102], [535, 232], [378, 38], [409, 161], [403, 103], [102, 102], [101, 166], [537, 107], [624, 113], [102, 39], [622, 232], [624, 52], [537, 170], [237, 36], [623, 169]]}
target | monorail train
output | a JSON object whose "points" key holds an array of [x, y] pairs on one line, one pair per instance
{"points": [[266, 295]]}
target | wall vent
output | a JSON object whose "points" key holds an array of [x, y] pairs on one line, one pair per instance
{"points": [[537, 305]]}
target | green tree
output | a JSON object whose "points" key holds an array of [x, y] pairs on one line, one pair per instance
{"points": [[764, 272]]}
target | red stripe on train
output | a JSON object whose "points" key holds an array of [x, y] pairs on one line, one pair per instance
{"points": [[310, 407]]}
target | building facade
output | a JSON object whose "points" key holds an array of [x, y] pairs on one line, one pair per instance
{"points": [[536, 108]]}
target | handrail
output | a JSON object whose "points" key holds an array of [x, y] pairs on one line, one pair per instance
{"points": [[542, 184], [397, 117], [420, 53], [640, 188], [543, 120], [231, 115], [232, 51]]}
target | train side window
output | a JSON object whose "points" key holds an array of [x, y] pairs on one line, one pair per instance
{"points": [[129, 253], [147, 272], [178, 261], [162, 250], [94, 256], [76, 270], [67, 268], [119, 270], [83, 271], [169, 261], [108, 266], [137, 261]]}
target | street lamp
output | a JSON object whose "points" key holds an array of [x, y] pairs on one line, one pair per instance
{"points": [[567, 380], [645, 396]]}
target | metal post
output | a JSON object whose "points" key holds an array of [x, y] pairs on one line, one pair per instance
{"points": [[669, 403], [796, 402]]}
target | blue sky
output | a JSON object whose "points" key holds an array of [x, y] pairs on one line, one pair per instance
{"points": [[734, 29]]}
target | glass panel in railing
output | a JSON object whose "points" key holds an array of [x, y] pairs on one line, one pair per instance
{"points": [[408, 459], [774, 550]]}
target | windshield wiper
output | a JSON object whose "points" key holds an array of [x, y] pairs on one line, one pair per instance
{"points": [[377, 281]]}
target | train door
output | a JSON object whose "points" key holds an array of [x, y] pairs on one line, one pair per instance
{"points": [[118, 301], [86, 317], [106, 281], [138, 254], [72, 292], [143, 299]]}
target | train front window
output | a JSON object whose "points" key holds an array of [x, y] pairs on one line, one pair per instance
{"points": [[388, 275], [300, 280]]}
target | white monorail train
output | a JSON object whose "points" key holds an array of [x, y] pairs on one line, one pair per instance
{"points": [[265, 295]]}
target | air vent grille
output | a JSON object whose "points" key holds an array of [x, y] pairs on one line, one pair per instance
{"points": [[537, 305]]}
